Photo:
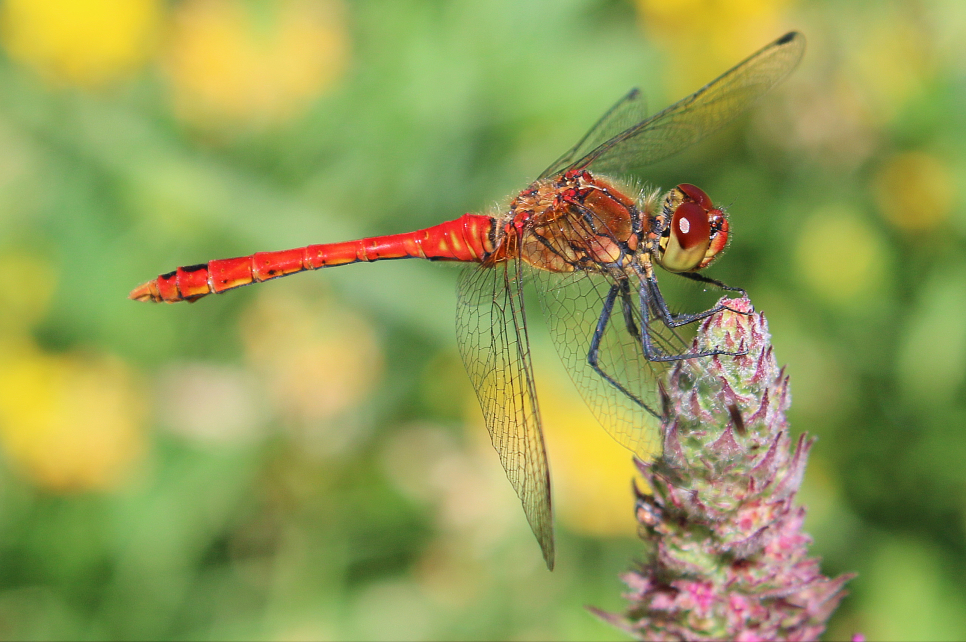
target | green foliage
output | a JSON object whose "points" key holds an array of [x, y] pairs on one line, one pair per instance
{"points": [[279, 462]]}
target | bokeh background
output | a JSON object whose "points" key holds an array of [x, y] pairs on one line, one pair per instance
{"points": [[305, 459]]}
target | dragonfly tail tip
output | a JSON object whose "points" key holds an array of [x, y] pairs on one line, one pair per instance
{"points": [[145, 292]]}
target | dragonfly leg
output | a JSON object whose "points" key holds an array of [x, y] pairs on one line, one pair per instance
{"points": [[650, 296], [671, 319], [700, 278], [627, 307], [593, 354]]}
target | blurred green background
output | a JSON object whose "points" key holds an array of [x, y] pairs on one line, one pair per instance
{"points": [[305, 459]]}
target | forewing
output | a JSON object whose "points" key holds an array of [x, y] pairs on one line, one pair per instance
{"points": [[627, 112], [492, 335], [700, 114], [573, 304]]}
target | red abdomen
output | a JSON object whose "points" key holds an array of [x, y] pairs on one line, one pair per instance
{"points": [[468, 239]]}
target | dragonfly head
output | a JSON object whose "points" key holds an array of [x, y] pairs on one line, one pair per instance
{"points": [[695, 231]]}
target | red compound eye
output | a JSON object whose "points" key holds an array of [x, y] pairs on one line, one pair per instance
{"points": [[690, 226], [697, 195], [689, 237]]}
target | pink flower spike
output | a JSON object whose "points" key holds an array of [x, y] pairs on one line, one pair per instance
{"points": [[730, 560]]}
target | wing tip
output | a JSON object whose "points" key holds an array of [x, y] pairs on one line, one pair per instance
{"points": [[548, 557], [545, 538], [794, 40]]}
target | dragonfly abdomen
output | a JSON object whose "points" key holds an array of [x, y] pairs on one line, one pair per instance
{"points": [[467, 239]]}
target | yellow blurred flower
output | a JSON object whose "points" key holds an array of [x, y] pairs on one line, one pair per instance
{"points": [[891, 59], [25, 290], [915, 191], [228, 61], [82, 42], [592, 473], [70, 423], [317, 360], [841, 257], [703, 38]]}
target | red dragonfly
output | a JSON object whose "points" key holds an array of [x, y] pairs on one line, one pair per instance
{"points": [[589, 243]]}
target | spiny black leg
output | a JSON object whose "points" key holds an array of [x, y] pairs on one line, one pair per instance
{"points": [[651, 296], [700, 278], [670, 319], [593, 354], [627, 307]]}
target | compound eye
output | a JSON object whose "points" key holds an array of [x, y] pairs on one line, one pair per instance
{"points": [[697, 195], [688, 240]]}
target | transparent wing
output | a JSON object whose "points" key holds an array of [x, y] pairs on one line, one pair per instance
{"points": [[595, 319], [629, 110], [700, 114], [492, 334], [574, 304]]}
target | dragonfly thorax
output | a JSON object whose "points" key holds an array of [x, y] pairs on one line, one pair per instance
{"points": [[574, 221]]}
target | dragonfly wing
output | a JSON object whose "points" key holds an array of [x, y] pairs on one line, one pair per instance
{"points": [[573, 304], [627, 112], [492, 334], [700, 114], [595, 319]]}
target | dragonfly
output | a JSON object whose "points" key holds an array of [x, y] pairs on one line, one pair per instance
{"points": [[589, 243]]}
